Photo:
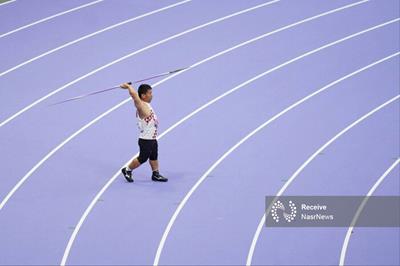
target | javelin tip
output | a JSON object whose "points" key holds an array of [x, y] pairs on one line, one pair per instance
{"points": [[178, 70]]}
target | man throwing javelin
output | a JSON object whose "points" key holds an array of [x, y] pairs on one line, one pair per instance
{"points": [[148, 124]]}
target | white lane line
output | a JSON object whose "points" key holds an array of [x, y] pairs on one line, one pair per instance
{"points": [[8, 2], [100, 193], [204, 176], [91, 35], [49, 18], [261, 224], [360, 209], [130, 55]]}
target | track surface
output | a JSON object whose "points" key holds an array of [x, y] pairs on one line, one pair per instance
{"points": [[55, 160]]}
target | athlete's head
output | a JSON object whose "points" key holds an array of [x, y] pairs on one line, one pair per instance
{"points": [[145, 92]]}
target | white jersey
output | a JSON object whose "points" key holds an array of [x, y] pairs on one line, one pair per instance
{"points": [[148, 125]]}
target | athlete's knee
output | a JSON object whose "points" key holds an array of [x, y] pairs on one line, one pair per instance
{"points": [[142, 158]]}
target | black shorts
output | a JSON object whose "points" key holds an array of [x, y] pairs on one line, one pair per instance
{"points": [[148, 150]]}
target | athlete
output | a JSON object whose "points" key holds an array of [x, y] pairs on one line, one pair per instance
{"points": [[148, 124]]}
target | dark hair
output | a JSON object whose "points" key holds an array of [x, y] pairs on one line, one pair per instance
{"points": [[143, 89]]}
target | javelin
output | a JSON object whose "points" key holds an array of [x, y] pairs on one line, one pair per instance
{"points": [[117, 87]]}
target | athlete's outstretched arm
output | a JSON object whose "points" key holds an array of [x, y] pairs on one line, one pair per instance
{"points": [[143, 109]]}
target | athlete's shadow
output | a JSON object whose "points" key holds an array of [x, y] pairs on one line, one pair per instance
{"points": [[145, 180]]}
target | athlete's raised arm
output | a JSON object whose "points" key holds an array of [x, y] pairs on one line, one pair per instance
{"points": [[142, 108]]}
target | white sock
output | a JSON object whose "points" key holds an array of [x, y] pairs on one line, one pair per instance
{"points": [[128, 169]]}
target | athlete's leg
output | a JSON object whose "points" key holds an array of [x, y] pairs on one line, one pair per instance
{"points": [[145, 151], [134, 164], [154, 165]]}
